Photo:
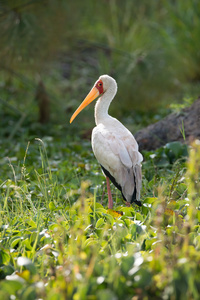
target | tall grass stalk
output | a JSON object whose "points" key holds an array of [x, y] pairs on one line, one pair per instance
{"points": [[182, 130]]}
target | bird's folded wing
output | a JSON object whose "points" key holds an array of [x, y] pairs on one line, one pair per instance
{"points": [[125, 150]]}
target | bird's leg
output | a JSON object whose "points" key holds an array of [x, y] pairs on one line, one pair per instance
{"points": [[128, 204], [110, 200]]}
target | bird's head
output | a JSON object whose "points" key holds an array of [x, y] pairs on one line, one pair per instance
{"points": [[101, 86]]}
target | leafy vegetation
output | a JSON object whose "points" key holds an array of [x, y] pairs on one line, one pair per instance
{"points": [[58, 240]]}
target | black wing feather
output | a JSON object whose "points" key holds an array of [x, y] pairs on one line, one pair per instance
{"points": [[112, 179]]}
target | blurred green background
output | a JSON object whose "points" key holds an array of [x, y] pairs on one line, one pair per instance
{"points": [[52, 51]]}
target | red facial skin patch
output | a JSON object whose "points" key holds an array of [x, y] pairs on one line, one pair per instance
{"points": [[99, 86]]}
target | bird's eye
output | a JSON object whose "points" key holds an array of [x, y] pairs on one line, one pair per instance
{"points": [[99, 86]]}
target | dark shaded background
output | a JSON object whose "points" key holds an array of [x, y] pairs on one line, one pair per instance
{"points": [[52, 51]]}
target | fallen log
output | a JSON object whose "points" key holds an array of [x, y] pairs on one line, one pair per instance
{"points": [[183, 127]]}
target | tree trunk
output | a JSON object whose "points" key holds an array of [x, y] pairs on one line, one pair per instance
{"points": [[183, 127], [43, 103]]}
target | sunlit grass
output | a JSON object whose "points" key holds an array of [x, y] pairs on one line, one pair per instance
{"points": [[73, 246]]}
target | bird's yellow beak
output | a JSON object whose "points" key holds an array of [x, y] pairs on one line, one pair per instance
{"points": [[93, 94]]}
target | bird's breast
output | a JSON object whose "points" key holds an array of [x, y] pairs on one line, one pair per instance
{"points": [[101, 148]]}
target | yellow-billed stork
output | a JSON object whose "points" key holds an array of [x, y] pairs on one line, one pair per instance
{"points": [[113, 145]]}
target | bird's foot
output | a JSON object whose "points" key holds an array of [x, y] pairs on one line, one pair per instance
{"points": [[128, 204]]}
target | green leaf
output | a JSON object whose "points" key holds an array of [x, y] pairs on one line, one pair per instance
{"points": [[11, 286], [52, 206], [29, 293], [27, 244], [31, 223], [54, 296], [150, 200], [100, 222], [109, 218], [16, 240], [106, 295], [4, 257], [6, 270], [126, 263], [90, 242]]}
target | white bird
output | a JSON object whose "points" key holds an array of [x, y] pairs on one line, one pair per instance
{"points": [[113, 145]]}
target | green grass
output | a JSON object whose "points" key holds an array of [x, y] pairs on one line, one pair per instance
{"points": [[59, 240]]}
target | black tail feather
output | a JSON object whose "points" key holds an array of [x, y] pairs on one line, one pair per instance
{"points": [[112, 179], [134, 199]]}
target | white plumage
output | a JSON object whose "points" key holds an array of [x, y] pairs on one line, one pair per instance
{"points": [[113, 145]]}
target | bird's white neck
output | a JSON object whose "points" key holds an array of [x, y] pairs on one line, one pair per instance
{"points": [[103, 103]]}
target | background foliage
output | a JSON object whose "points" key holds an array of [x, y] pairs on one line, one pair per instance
{"points": [[58, 240], [150, 48]]}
